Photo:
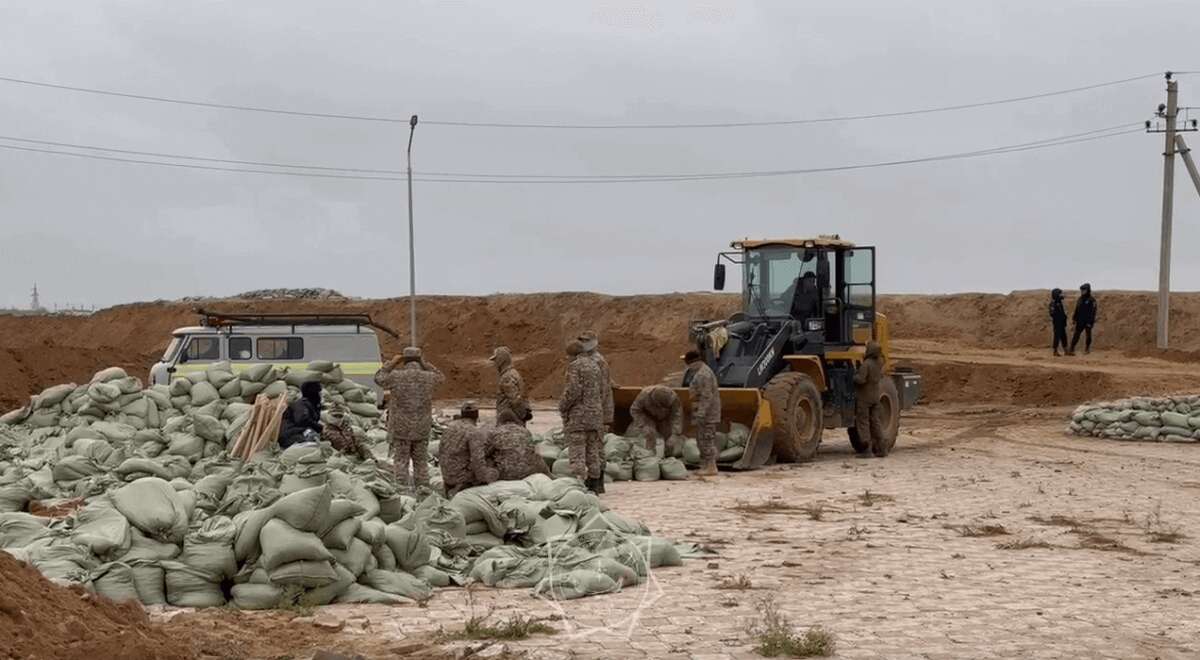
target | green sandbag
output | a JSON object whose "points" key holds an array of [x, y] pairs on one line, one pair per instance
{"points": [[19, 529], [561, 468], [115, 582], [324, 595], [52, 396], [149, 579], [307, 574], [102, 529], [362, 594], [209, 548], [549, 453], [373, 532], [673, 469], [433, 575], [616, 447], [103, 392], [299, 377], [250, 389], [141, 467], [509, 567], [659, 551], [691, 452], [435, 513], [1174, 419], [306, 510], [731, 454], [398, 583], [368, 410], [484, 540], [622, 471], [320, 366], [252, 596], [342, 534], [189, 587], [63, 563], [477, 509], [738, 435], [621, 574], [276, 389], [231, 390], [409, 548], [186, 445], [575, 584], [204, 393], [144, 547], [256, 373], [249, 526], [154, 507], [208, 427], [283, 544], [646, 469], [355, 558], [385, 559], [74, 468]]}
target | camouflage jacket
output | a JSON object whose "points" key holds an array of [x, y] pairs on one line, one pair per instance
{"points": [[866, 380], [454, 454], [647, 414], [341, 437], [606, 379], [706, 400], [510, 396], [508, 453], [582, 401], [410, 405]]}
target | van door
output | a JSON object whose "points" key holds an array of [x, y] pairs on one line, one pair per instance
{"points": [[198, 353]]}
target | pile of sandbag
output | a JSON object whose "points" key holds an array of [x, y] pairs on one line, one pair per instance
{"points": [[1163, 419], [165, 515], [629, 459]]}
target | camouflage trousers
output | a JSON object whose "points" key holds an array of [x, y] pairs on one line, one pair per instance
{"points": [[585, 450], [417, 451], [868, 421], [706, 441]]}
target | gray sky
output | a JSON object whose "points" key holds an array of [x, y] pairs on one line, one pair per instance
{"points": [[100, 233]]}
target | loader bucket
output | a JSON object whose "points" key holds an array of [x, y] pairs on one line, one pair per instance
{"points": [[743, 405]]}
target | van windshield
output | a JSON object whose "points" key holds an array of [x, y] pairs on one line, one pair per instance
{"points": [[172, 348]]}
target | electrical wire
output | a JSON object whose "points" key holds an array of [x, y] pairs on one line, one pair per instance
{"points": [[484, 124], [1087, 136]]}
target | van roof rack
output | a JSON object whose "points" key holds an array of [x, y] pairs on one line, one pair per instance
{"points": [[214, 319]]}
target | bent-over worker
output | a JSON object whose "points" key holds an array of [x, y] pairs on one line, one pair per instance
{"points": [[506, 453], [657, 413], [410, 414], [302, 418], [582, 410], [510, 394], [454, 451]]}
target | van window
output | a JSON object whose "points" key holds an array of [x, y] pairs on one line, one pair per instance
{"points": [[280, 348], [171, 348], [204, 348], [240, 349]]}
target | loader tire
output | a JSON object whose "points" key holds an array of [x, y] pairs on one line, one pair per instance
{"points": [[889, 413], [796, 415]]}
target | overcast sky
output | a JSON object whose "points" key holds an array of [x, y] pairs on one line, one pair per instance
{"points": [[97, 232]]}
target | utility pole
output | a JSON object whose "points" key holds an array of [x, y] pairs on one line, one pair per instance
{"points": [[412, 252], [1168, 203]]}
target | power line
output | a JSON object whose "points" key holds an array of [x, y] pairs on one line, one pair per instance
{"points": [[483, 124], [459, 177], [795, 122]]}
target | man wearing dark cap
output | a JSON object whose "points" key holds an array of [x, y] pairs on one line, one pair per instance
{"points": [[410, 414], [454, 451], [1084, 317]]}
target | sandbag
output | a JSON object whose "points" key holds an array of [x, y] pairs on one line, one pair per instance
{"points": [[186, 445], [691, 452], [190, 587], [673, 469], [646, 469], [433, 576], [253, 596], [101, 529], [149, 580], [115, 582], [561, 468], [307, 574], [144, 547], [325, 594], [622, 471], [53, 396], [435, 513], [249, 525], [341, 535], [305, 510], [203, 393], [154, 507], [362, 594], [103, 392], [398, 583], [18, 529], [659, 551], [282, 544], [210, 548], [109, 374], [409, 548], [69, 564], [355, 558], [373, 532], [575, 584], [208, 428]]}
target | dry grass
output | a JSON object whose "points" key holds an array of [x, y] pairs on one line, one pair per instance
{"points": [[814, 510], [739, 583], [870, 499], [1023, 544], [1159, 531], [772, 506], [973, 531], [774, 636], [511, 629], [1057, 520], [1090, 539]]}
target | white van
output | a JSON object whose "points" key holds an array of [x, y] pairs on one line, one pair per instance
{"points": [[284, 340]]}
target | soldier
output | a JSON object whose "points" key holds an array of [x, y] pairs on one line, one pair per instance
{"points": [[506, 452], [582, 410], [706, 410], [454, 452], [410, 413], [302, 419], [1058, 319], [657, 413], [340, 434], [867, 414], [1084, 317], [510, 395], [591, 345]]}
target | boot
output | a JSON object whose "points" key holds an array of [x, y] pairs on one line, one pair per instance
{"points": [[599, 485], [708, 468], [591, 485]]}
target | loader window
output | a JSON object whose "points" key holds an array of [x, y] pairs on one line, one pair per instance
{"points": [[280, 348], [859, 280], [772, 276]]}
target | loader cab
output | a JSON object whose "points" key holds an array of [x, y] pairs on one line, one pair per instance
{"points": [[799, 297]]}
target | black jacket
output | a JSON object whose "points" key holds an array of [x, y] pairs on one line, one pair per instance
{"points": [[300, 415], [1058, 312], [1085, 310]]}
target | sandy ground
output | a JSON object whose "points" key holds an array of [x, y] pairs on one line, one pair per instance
{"points": [[892, 564]]}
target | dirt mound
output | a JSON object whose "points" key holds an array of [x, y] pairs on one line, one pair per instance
{"points": [[39, 619], [642, 336]]}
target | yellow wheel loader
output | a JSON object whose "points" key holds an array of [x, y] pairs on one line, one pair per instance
{"points": [[785, 363]]}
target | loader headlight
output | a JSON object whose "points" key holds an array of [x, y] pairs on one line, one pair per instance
{"points": [[814, 325]]}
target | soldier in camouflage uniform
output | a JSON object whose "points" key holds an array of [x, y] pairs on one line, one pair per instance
{"points": [[510, 395], [582, 410], [506, 452], [454, 451], [706, 410], [868, 416], [410, 413], [591, 346], [657, 413], [340, 434]]}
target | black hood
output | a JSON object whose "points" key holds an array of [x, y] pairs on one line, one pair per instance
{"points": [[1056, 294], [311, 391]]}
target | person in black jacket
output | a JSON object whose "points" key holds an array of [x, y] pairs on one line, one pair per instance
{"points": [[1084, 317], [302, 419], [1058, 319]]}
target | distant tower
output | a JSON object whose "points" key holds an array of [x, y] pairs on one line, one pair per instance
{"points": [[35, 304]]}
